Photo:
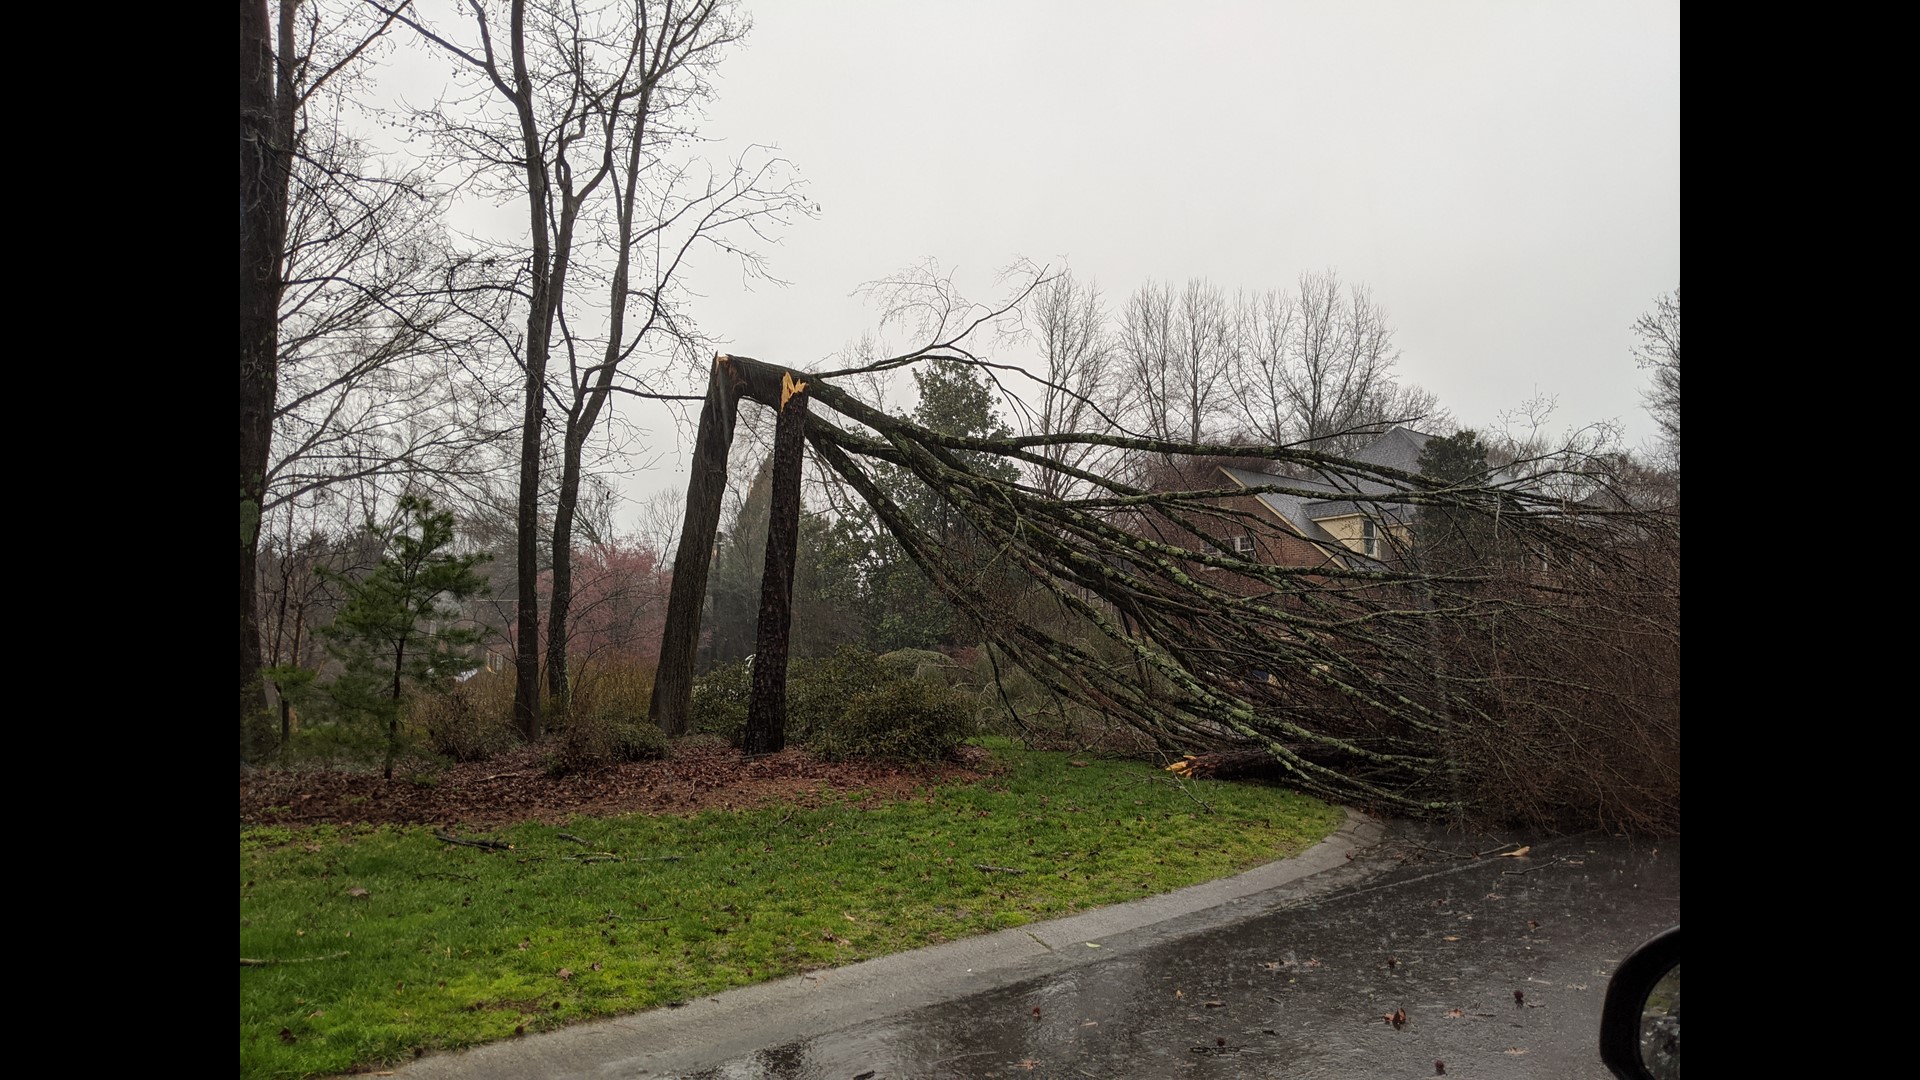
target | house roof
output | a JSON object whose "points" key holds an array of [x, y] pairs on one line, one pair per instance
{"points": [[1399, 448], [1291, 508]]}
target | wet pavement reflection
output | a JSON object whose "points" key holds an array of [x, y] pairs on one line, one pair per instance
{"points": [[1433, 954]]}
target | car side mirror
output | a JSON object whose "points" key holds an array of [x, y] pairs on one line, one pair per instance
{"points": [[1640, 1025]]}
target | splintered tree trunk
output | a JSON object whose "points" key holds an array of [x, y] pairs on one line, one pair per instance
{"points": [[673, 680], [1231, 765], [733, 376], [766, 730]]}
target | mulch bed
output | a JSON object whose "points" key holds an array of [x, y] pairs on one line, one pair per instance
{"points": [[515, 787]]}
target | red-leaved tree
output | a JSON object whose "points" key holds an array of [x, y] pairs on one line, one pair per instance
{"points": [[619, 604]]}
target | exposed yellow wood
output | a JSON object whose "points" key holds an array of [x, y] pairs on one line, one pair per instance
{"points": [[789, 386]]}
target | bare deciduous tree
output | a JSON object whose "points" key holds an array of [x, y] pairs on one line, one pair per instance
{"points": [[572, 111], [287, 57], [1316, 368], [1659, 350], [1267, 325], [1176, 351], [1069, 327], [384, 373]]}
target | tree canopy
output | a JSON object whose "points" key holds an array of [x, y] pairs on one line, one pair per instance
{"points": [[1116, 600]]}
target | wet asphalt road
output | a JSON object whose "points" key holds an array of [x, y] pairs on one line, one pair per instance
{"points": [[1500, 965]]}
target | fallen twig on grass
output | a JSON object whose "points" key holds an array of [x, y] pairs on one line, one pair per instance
{"points": [[570, 836], [596, 856], [998, 869], [1187, 791], [245, 962], [489, 845], [1202, 803]]}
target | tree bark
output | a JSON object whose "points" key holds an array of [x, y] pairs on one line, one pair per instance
{"points": [[540, 310], [266, 156], [673, 679], [766, 730], [560, 601], [393, 709]]}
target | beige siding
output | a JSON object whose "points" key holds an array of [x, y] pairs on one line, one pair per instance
{"points": [[1347, 529]]}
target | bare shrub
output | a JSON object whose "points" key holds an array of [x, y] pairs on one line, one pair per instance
{"points": [[594, 739], [1579, 717], [471, 722]]}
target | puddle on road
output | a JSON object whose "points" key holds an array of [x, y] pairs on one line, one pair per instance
{"points": [[1499, 965]]}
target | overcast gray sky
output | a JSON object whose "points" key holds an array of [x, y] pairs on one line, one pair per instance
{"points": [[1505, 176]]}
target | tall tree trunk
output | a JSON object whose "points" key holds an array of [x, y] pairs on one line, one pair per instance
{"points": [[540, 311], [560, 603], [266, 156], [580, 423], [560, 600], [393, 708], [287, 716], [584, 413], [766, 730], [673, 679], [526, 687]]}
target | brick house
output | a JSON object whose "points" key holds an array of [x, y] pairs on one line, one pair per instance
{"points": [[1318, 522]]}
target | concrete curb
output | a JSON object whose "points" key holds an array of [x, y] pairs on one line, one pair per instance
{"points": [[711, 1030]]}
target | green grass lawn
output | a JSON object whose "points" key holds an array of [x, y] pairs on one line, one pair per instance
{"points": [[449, 946]]}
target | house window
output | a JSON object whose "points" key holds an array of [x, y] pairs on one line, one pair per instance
{"points": [[1241, 545], [1369, 539]]}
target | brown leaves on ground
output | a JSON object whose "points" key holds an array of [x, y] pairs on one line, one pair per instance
{"points": [[515, 788]]}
